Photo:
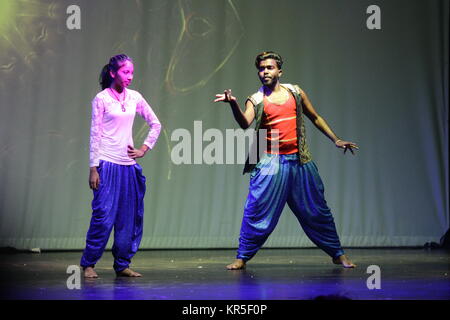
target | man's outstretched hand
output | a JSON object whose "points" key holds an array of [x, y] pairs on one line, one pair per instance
{"points": [[346, 145], [225, 97]]}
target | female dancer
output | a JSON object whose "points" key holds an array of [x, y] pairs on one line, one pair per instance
{"points": [[115, 178]]}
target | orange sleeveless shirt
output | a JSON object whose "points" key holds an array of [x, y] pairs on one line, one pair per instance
{"points": [[284, 119]]}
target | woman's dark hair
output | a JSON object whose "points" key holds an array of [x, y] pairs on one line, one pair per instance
{"points": [[114, 64], [269, 55]]}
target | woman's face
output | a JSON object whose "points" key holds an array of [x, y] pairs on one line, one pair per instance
{"points": [[123, 76]]}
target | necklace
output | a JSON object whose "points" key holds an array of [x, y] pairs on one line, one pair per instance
{"points": [[122, 103]]}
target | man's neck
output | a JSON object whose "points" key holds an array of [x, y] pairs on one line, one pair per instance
{"points": [[268, 90]]}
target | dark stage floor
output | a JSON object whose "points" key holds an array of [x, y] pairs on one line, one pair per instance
{"points": [[274, 274]]}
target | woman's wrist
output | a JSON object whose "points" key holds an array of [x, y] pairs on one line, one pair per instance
{"points": [[144, 149]]}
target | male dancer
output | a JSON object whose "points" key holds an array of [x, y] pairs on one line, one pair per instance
{"points": [[279, 108]]}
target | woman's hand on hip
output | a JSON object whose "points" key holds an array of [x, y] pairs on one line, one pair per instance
{"points": [[137, 153]]}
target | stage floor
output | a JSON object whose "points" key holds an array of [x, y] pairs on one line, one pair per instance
{"points": [[274, 274]]}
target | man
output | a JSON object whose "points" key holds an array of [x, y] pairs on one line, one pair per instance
{"points": [[287, 173]]}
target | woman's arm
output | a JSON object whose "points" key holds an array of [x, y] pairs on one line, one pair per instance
{"points": [[95, 140], [146, 112]]}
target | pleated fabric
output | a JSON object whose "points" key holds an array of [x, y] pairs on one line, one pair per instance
{"points": [[118, 203], [281, 179]]}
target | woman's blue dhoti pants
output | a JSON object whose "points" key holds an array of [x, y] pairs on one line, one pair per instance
{"points": [[278, 179], [119, 203]]}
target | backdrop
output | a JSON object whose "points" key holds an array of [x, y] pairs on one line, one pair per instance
{"points": [[385, 89]]}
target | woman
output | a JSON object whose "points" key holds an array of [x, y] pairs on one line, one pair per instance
{"points": [[115, 177]]}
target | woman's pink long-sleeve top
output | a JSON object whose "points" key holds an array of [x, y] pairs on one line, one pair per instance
{"points": [[112, 128]]}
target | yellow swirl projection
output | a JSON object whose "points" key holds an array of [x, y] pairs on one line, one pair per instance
{"points": [[24, 27], [28, 30], [198, 30]]}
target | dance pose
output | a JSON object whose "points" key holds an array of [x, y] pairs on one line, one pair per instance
{"points": [[285, 174], [115, 178]]}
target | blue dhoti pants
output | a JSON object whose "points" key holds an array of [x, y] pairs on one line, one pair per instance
{"points": [[118, 202], [278, 179]]}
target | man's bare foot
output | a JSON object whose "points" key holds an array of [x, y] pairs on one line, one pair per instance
{"points": [[128, 273], [89, 272], [344, 261], [238, 264]]}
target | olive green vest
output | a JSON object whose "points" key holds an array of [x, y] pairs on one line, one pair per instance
{"points": [[257, 100]]}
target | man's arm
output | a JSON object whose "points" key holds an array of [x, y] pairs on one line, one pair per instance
{"points": [[323, 126], [243, 118]]}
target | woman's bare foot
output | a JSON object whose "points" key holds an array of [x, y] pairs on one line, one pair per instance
{"points": [[344, 261], [128, 273], [236, 265], [89, 272]]}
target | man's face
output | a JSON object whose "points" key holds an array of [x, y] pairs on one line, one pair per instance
{"points": [[124, 75], [268, 72]]}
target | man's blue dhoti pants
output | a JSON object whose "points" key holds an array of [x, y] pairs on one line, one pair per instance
{"points": [[278, 179], [118, 203]]}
